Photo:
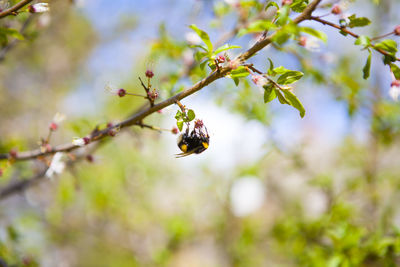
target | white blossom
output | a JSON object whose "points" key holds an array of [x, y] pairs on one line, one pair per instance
{"points": [[58, 118], [192, 38], [394, 91], [78, 142], [39, 8], [57, 165]]}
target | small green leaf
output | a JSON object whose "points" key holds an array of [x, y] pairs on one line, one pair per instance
{"points": [[236, 81], [269, 93], [299, 5], [281, 98], [290, 77], [191, 115], [204, 36], [224, 48], [239, 72], [388, 45], [180, 125], [178, 115], [367, 67], [363, 40], [272, 4], [358, 22], [396, 71], [257, 26], [320, 35], [271, 65], [295, 102]]}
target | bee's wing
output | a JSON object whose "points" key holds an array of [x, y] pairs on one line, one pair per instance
{"points": [[184, 154]]}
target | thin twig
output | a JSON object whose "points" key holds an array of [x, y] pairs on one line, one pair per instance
{"points": [[13, 10], [345, 30]]}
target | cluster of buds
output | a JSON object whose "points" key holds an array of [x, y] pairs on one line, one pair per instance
{"points": [[152, 95], [221, 59], [198, 124], [112, 132], [39, 8]]}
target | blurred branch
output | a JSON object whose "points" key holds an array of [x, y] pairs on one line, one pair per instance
{"points": [[12, 10], [24, 183], [143, 113], [345, 30], [11, 45]]}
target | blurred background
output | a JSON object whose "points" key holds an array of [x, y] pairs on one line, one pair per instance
{"points": [[271, 190]]}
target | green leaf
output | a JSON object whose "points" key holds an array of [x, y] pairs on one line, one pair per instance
{"points": [[224, 48], [396, 71], [367, 67], [290, 77], [178, 115], [299, 5], [204, 36], [282, 15], [236, 81], [281, 98], [191, 115], [269, 93], [271, 65], [363, 40], [358, 22], [387, 45], [279, 70], [257, 26], [295, 102], [239, 72], [199, 46], [180, 125], [272, 4], [320, 35]]}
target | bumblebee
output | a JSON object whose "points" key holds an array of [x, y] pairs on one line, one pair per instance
{"points": [[195, 142]]}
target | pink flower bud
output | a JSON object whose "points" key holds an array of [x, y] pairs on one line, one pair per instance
{"points": [[149, 74], [397, 30], [160, 111], [303, 41], [153, 95], [53, 126], [13, 153], [221, 59], [286, 2], [336, 9]]}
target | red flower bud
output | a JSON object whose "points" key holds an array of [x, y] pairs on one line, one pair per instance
{"points": [[90, 158], [149, 74], [121, 92], [198, 124], [175, 130], [86, 140]]}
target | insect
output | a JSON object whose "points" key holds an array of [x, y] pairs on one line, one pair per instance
{"points": [[195, 142]]}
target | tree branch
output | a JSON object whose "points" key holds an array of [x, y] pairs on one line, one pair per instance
{"points": [[15, 8], [345, 30], [143, 113]]}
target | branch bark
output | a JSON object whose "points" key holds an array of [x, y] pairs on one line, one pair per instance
{"points": [[15, 8]]}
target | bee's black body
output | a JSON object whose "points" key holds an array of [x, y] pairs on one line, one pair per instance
{"points": [[195, 142]]}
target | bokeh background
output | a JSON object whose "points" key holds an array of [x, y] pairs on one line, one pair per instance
{"points": [[272, 189]]}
